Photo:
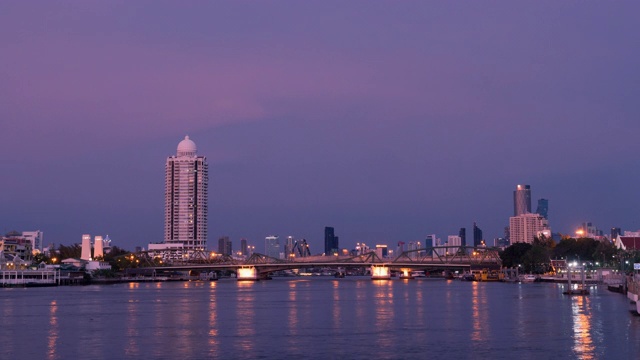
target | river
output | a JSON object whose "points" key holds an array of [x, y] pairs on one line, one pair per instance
{"points": [[316, 318]]}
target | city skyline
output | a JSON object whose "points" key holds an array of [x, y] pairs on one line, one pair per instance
{"points": [[387, 123]]}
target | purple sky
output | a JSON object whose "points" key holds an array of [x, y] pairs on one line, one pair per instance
{"points": [[387, 120]]}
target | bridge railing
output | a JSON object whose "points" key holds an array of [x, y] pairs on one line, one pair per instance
{"points": [[451, 255], [447, 255]]}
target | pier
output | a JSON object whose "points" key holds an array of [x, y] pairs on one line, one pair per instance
{"points": [[29, 278]]}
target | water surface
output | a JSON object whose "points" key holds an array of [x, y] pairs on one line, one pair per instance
{"points": [[317, 318]]}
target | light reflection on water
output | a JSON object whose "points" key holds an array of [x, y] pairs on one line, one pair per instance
{"points": [[478, 308], [213, 321], [337, 308], [131, 321], [52, 339], [583, 344], [317, 319], [245, 310], [292, 316], [384, 313]]}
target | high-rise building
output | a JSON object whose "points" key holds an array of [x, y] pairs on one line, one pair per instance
{"points": [[431, 241], [225, 246], [477, 235], [453, 240], [463, 236], [589, 230], [35, 237], [615, 231], [288, 247], [382, 251], [524, 228], [272, 246], [243, 247], [522, 200], [543, 208], [500, 242], [186, 198], [330, 241]]}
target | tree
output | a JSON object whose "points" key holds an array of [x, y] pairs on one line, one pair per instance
{"points": [[537, 259], [605, 252], [40, 257], [67, 252], [513, 255]]}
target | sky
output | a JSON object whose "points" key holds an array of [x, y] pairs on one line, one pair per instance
{"points": [[386, 120]]}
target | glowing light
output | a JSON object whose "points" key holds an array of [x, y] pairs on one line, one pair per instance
{"points": [[248, 273], [380, 272]]}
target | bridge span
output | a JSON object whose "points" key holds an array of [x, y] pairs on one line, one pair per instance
{"points": [[259, 266]]}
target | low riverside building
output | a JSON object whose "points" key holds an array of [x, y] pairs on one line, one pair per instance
{"points": [[12, 278], [74, 262], [627, 243], [16, 246], [97, 265]]}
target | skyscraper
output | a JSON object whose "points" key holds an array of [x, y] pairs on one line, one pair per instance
{"points": [[463, 236], [543, 208], [477, 235], [186, 198], [330, 241], [288, 247], [243, 247], [224, 246], [615, 231], [272, 246], [522, 200]]}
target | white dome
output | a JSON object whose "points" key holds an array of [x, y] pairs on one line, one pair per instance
{"points": [[186, 147]]}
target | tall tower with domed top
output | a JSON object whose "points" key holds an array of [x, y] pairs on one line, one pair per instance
{"points": [[186, 198]]}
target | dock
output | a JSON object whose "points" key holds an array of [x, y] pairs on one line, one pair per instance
{"points": [[29, 278]]}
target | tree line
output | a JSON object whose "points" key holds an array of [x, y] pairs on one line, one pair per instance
{"points": [[536, 257], [62, 252]]}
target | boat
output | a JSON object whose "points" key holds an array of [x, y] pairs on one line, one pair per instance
{"points": [[477, 275], [406, 274], [493, 275], [467, 277], [528, 278]]}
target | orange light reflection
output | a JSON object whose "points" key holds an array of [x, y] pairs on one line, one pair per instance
{"points": [[53, 331], [583, 344]]}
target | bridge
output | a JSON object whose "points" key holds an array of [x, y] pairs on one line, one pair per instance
{"points": [[258, 266]]}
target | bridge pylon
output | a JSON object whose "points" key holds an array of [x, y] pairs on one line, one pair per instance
{"points": [[247, 273], [380, 272]]}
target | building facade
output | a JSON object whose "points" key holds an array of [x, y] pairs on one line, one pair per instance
{"points": [[243, 247], [477, 236], [524, 228], [543, 208], [224, 246], [36, 239], [186, 198], [522, 200], [331, 244], [272, 246], [453, 240], [463, 236]]}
